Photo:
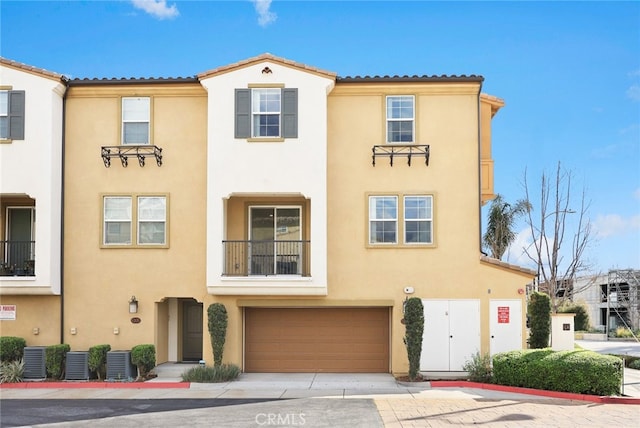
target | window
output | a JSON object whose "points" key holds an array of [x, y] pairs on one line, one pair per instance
{"points": [[383, 219], [400, 119], [266, 113], [135, 120], [150, 226], [12, 115], [117, 220], [418, 220], [151, 220], [265, 106]]}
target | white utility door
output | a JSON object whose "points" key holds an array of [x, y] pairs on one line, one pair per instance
{"points": [[451, 334], [505, 325]]}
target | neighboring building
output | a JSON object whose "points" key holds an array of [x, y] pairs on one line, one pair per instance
{"points": [[310, 205], [31, 108], [614, 296]]}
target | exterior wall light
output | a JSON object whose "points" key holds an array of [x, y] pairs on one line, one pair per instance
{"points": [[133, 305]]}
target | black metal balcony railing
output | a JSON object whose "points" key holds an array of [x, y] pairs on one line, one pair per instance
{"points": [[400, 150], [17, 258], [265, 258]]}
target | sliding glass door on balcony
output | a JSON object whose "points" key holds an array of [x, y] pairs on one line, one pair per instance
{"points": [[18, 248], [275, 245]]}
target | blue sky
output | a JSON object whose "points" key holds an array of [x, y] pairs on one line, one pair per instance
{"points": [[569, 73]]}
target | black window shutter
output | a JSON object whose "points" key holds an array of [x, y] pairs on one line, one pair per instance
{"points": [[16, 115], [242, 122], [290, 113]]}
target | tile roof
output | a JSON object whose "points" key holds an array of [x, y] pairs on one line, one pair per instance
{"points": [[414, 78], [509, 266], [29, 68], [265, 57], [130, 80]]}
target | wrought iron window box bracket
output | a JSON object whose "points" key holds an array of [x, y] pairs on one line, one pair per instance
{"points": [[400, 150], [125, 152]]}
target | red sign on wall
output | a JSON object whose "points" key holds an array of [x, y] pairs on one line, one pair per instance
{"points": [[503, 314]]}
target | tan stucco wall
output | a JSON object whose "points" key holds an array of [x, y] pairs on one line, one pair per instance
{"points": [[100, 281], [33, 312]]}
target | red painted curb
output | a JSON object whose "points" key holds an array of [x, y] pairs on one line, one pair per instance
{"points": [[538, 392], [96, 385]]}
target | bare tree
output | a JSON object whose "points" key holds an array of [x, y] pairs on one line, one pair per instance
{"points": [[558, 265], [502, 216]]}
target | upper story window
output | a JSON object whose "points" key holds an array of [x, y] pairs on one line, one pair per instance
{"points": [[12, 115], [268, 113], [383, 219], [400, 119], [144, 217], [136, 114], [418, 219], [409, 217]]}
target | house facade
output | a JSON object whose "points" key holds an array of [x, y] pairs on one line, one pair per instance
{"points": [[310, 205], [31, 135]]}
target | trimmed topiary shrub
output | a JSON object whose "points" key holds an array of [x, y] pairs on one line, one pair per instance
{"points": [[539, 310], [98, 360], [11, 348], [221, 373], [577, 371], [55, 359], [414, 327], [144, 357], [217, 323], [581, 320]]}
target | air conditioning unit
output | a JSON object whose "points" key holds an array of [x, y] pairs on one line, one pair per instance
{"points": [[119, 366], [34, 363], [77, 365]]}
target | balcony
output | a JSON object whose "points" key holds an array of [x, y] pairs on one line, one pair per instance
{"points": [[17, 258], [266, 258]]}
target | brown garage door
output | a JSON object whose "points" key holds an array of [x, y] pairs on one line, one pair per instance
{"points": [[317, 340]]}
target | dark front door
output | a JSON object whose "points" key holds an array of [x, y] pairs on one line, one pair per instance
{"points": [[191, 330]]}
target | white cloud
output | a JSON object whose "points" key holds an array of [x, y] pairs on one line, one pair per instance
{"points": [[265, 16], [634, 73], [634, 92], [636, 194], [157, 8], [614, 224]]}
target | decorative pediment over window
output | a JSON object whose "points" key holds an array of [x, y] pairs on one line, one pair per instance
{"points": [[136, 152]]}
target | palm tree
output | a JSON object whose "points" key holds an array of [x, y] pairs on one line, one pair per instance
{"points": [[502, 216]]}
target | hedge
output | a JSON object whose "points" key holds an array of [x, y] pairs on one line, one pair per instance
{"points": [[578, 371], [11, 348], [98, 360]]}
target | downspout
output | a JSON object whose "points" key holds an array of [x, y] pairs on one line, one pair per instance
{"points": [[480, 171], [62, 186]]}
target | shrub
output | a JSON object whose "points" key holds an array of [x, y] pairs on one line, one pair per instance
{"points": [[479, 368], [414, 327], [539, 309], [55, 357], [576, 371], [581, 320], [98, 360], [623, 332], [11, 371], [11, 348], [221, 373], [217, 323], [635, 364], [144, 357]]}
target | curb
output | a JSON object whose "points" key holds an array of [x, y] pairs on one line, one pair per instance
{"points": [[96, 385], [537, 392]]}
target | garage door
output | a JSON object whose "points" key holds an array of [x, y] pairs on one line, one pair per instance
{"points": [[317, 340]]}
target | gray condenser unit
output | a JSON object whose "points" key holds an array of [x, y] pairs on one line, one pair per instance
{"points": [[119, 366], [77, 365], [34, 363]]}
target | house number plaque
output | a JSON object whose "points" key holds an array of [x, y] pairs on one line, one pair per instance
{"points": [[136, 320]]}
